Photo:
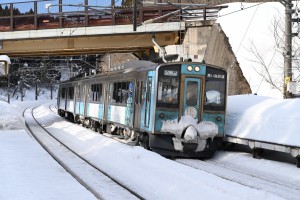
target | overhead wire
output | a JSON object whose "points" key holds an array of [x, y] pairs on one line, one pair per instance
{"points": [[247, 29], [242, 9]]}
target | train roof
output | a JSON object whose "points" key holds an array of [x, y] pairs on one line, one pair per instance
{"points": [[139, 65], [132, 66]]}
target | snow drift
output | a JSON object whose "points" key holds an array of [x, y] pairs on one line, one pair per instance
{"points": [[10, 118], [264, 119]]}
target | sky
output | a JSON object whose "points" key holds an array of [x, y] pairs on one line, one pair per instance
{"points": [[25, 5]]}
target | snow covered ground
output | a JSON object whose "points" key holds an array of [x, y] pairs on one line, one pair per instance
{"points": [[28, 169], [28, 172]]}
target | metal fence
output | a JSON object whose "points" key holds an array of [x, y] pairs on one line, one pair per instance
{"points": [[46, 14]]}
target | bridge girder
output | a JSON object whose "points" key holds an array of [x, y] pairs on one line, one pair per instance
{"points": [[64, 46]]}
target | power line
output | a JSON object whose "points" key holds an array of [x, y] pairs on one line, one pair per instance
{"points": [[243, 8], [247, 29]]}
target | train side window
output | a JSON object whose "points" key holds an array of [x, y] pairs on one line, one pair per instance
{"points": [[124, 92], [71, 93], [121, 91], [129, 91], [116, 92], [63, 93], [111, 93], [77, 92], [96, 92], [90, 94], [138, 92], [149, 89], [142, 90], [100, 93]]}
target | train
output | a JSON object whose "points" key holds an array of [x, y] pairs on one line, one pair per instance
{"points": [[176, 109]]}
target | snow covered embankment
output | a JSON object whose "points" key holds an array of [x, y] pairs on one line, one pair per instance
{"points": [[264, 119]]}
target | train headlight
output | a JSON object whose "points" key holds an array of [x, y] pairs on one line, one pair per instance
{"points": [[197, 68], [189, 68], [161, 115], [219, 118]]}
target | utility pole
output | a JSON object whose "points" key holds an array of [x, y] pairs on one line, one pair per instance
{"points": [[288, 75], [288, 46], [134, 16]]}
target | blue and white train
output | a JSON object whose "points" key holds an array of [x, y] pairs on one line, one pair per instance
{"points": [[176, 109]]}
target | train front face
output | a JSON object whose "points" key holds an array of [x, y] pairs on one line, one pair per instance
{"points": [[190, 109]]}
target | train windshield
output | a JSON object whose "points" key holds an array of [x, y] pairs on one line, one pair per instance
{"points": [[215, 90], [168, 86]]}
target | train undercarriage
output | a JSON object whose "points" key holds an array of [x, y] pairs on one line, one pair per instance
{"points": [[163, 144]]}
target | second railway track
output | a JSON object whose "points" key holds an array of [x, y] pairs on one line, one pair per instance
{"points": [[249, 176]]}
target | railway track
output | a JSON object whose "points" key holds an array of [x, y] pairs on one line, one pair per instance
{"points": [[99, 183], [250, 176], [235, 171]]}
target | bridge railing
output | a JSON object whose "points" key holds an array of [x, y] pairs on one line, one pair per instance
{"points": [[45, 14]]}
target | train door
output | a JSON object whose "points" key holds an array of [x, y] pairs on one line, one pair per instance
{"points": [[147, 97], [85, 98], [191, 98], [62, 99], [138, 103], [77, 99]]}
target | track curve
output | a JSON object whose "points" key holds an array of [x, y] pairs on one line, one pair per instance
{"points": [[91, 177]]}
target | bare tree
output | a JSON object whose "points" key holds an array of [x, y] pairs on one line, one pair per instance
{"points": [[265, 69], [271, 71]]}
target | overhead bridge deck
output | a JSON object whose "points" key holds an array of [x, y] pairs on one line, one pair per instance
{"points": [[64, 27], [88, 40]]}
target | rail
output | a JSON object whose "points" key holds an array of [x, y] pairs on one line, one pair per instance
{"points": [[47, 14]]}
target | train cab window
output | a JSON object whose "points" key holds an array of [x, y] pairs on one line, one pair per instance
{"points": [[168, 87], [215, 90], [192, 93]]}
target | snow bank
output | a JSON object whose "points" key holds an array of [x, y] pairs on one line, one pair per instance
{"points": [[264, 119], [28, 172], [10, 118]]}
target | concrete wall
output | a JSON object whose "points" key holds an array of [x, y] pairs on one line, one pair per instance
{"points": [[208, 43], [203, 41], [219, 52]]}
